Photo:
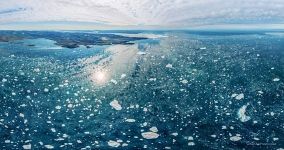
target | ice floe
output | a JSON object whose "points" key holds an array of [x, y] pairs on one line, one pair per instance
{"points": [[28, 146], [49, 146], [235, 138], [184, 81], [46, 90], [242, 114], [154, 129], [130, 120], [113, 143], [169, 66], [113, 81], [190, 143], [238, 96], [150, 135], [141, 53], [122, 76], [276, 79], [115, 104], [174, 134], [4, 80]]}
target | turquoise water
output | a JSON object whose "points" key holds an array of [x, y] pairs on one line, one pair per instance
{"points": [[179, 91]]}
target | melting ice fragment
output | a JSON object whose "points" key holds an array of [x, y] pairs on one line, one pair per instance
{"points": [[46, 90], [235, 138], [113, 143], [115, 105], [141, 53], [49, 146], [130, 120], [169, 66], [154, 129], [184, 81], [241, 114], [238, 96], [113, 81], [122, 76], [276, 79], [150, 135], [28, 146]]}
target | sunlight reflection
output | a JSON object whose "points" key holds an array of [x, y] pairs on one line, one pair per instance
{"points": [[100, 76]]}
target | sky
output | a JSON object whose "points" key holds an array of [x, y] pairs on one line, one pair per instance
{"points": [[136, 14]]}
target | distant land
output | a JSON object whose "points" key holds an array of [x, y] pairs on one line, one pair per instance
{"points": [[69, 39]]}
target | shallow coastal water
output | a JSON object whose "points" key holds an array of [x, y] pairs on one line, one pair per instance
{"points": [[176, 90]]}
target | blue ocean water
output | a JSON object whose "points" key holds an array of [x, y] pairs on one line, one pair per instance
{"points": [[174, 90]]}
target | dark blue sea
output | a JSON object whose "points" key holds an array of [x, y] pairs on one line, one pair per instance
{"points": [[142, 90]]}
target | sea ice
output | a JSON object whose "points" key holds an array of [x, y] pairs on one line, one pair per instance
{"points": [[184, 81], [49, 146], [175, 134], [115, 105], [150, 135], [130, 120], [276, 79], [154, 129], [238, 96], [113, 143], [28, 146], [46, 90], [241, 114], [141, 53], [235, 138], [122, 76], [113, 81], [169, 66], [4, 80]]}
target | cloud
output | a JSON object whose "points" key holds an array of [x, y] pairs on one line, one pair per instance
{"points": [[145, 12]]}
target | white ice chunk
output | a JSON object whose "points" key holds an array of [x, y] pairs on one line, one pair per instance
{"points": [[113, 143], [122, 76], [276, 79], [184, 81], [190, 138], [46, 90], [175, 134], [4, 80], [241, 114], [150, 135], [169, 66], [141, 53], [115, 105], [154, 129], [28, 146], [113, 81], [49, 146], [130, 120], [22, 115], [36, 70], [240, 96], [235, 138]]}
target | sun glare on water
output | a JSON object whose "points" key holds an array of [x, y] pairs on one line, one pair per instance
{"points": [[100, 77]]}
